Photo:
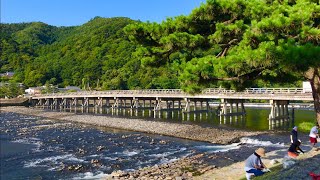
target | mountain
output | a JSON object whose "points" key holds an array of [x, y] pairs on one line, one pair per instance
{"points": [[95, 55]]}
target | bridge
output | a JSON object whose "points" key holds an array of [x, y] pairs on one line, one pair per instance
{"points": [[230, 102]]}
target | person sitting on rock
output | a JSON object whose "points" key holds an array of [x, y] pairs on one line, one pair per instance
{"points": [[254, 164], [293, 149]]}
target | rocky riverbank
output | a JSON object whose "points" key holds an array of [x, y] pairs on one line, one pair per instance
{"points": [[211, 165], [188, 131]]}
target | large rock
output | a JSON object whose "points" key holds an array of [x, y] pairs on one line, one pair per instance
{"points": [[288, 162]]}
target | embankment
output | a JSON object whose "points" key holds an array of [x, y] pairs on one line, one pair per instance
{"points": [[14, 102]]}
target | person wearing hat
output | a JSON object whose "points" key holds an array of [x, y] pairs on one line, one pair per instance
{"points": [[254, 164], [294, 135]]}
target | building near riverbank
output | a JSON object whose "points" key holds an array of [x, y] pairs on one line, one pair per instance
{"points": [[7, 74]]}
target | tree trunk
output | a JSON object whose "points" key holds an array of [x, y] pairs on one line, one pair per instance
{"points": [[313, 76]]}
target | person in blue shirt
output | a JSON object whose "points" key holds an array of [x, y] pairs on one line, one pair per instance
{"points": [[254, 164]]}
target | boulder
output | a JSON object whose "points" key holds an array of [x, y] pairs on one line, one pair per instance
{"points": [[288, 162], [273, 162]]}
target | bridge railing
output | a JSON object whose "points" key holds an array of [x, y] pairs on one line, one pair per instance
{"points": [[179, 91], [274, 90], [217, 91], [146, 91]]}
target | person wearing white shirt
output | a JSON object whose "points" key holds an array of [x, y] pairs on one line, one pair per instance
{"points": [[314, 134]]}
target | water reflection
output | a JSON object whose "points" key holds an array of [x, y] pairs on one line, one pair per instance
{"points": [[254, 119]]}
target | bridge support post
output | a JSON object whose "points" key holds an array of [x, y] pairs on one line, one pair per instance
{"points": [[116, 103], [85, 104], [157, 106], [62, 103], [224, 107], [187, 106], [135, 105], [55, 103], [46, 103], [69, 104], [74, 104], [98, 105], [279, 113]]}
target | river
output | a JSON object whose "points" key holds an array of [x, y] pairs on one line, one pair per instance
{"points": [[38, 148]]}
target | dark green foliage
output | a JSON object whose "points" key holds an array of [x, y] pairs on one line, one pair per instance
{"points": [[235, 43], [96, 55]]}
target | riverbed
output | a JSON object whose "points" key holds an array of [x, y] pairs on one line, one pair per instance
{"points": [[38, 146]]}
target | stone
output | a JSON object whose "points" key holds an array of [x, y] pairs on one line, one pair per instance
{"points": [[119, 173], [94, 161], [189, 174], [81, 151], [273, 162], [99, 148], [162, 142], [288, 162]]}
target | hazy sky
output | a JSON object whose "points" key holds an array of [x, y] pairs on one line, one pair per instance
{"points": [[77, 12]]}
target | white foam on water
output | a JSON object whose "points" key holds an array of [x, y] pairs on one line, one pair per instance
{"points": [[182, 149], [33, 141], [28, 118], [95, 155], [257, 142], [27, 140], [219, 148], [51, 160], [110, 158], [90, 175], [129, 170], [140, 163], [166, 161], [35, 163], [130, 153], [165, 154], [162, 155]]}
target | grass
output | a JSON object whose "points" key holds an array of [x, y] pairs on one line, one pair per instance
{"points": [[192, 170], [305, 126], [270, 175]]}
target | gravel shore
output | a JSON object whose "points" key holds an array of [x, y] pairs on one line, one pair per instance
{"points": [[188, 131]]}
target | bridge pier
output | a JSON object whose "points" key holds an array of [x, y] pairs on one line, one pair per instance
{"points": [[197, 107], [85, 104], [231, 108], [279, 113], [116, 103], [228, 103]]}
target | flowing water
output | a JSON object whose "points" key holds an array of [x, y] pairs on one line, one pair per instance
{"points": [[37, 148]]}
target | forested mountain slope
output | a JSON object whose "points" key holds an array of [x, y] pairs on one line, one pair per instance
{"points": [[96, 55]]}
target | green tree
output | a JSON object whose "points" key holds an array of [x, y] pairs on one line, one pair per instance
{"points": [[10, 90], [237, 43]]}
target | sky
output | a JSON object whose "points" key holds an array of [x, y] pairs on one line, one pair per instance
{"points": [[78, 12]]}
